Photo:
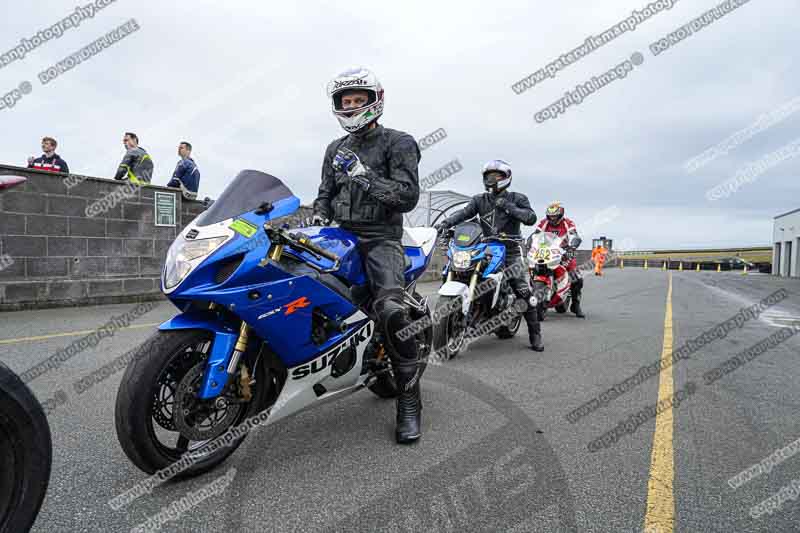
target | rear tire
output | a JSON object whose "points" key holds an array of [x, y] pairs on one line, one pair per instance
{"points": [[135, 398], [561, 309], [26, 454], [385, 386]]}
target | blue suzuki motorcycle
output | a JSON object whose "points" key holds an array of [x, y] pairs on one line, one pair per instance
{"points": [[475, 287], [271, 322]]}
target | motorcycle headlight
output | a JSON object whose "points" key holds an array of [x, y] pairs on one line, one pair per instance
{"points": [[184, 255], [462, 259]]}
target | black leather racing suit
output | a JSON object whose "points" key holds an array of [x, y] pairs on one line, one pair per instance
{"points": [[375, 216], [517, 211]]}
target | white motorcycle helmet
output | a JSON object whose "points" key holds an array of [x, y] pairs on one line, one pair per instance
{"points": [[493, 184], [361, 79]]}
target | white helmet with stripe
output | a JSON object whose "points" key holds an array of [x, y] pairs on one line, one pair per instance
{"points": [[356, 79], [493, 182]]}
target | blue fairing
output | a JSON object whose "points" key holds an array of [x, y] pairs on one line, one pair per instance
{"points": [[419, 262], [497, 251], [283, 208]]}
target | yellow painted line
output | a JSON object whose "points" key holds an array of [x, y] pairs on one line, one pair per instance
{"points": [[70, 334], [660, 515]]}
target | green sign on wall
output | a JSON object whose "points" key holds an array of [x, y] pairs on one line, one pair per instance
{"points": [[165, 208]]}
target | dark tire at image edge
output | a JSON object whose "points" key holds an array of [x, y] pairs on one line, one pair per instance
{"points": [[25, 454]]}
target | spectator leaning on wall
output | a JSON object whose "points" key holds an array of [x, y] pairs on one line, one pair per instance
{"points": [[49, 160], [186, 176], [136, 166]]}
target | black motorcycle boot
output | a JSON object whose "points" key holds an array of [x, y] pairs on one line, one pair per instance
{"points": [[575, 306], [534, 331], [409, 403], [404, 355]]}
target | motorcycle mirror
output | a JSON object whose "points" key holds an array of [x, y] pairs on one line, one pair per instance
{"points": [[7, 182], [264, 208]]}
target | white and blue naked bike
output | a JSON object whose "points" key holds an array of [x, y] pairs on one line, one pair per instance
{"points": [[270, 321]]}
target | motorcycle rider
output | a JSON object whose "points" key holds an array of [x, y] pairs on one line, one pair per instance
{"points": [[369, 179], [556, 223], [506, 210]]}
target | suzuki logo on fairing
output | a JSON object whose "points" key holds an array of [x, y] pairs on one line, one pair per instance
{"points": [[327, 359], [270, 313], [293, 306]]}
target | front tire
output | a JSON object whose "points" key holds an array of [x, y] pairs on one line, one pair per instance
{"points": [[450, 332], [508, 332], [26, 454], [540, 289], [143, 406]]}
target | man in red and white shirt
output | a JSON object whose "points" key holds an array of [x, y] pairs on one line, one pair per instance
{"points": [[556, 223], [49, 161]]}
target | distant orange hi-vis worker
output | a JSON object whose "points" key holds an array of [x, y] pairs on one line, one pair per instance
{"points": [[599, 258]]}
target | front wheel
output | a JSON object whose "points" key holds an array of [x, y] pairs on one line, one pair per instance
{"points": [[26, 453], [542, 292], [450, 332], [158, 415], [508, 332]]}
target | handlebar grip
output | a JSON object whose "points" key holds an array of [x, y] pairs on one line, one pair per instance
{"points": [[306, 242]]}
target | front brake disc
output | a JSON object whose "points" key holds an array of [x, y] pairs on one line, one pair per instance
{"points": [[200, 420]]}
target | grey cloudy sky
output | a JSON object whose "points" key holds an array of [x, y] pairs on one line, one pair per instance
{"points": [[244, 81]]}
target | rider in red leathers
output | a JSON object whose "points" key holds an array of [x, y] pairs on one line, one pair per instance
{"points": [[555, 222]]}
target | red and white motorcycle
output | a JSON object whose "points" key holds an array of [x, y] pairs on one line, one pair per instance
{"points": [[550, 281]]}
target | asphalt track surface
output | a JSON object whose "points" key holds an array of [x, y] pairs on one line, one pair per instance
{"points": [[497, 453]]}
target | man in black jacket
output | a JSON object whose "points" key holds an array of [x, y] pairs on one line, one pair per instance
{"points": [[502, 211], [369, 179]]}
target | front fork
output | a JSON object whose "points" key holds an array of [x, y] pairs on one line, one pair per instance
{"points": [[473, 283], [226, 350]]}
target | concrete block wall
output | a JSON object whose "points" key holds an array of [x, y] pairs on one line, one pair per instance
{"points": [[61, 257]]}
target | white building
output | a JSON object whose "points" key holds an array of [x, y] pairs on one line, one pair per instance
{"points": [[786, 244]]}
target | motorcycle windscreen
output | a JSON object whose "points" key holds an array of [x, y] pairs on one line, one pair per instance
{"points": [[467, 234], [544, 239], [247, 192]]}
